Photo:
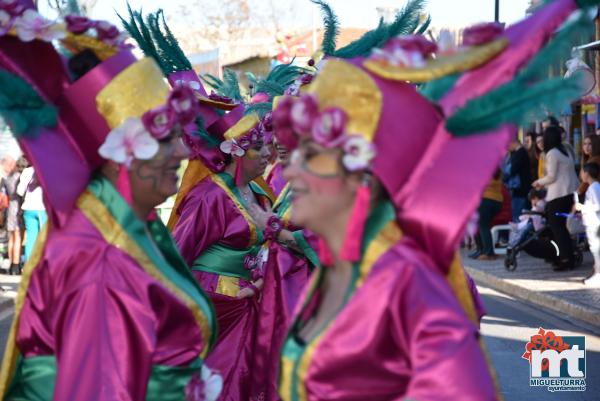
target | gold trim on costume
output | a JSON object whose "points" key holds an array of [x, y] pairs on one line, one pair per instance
{"points": [[441, 66], [195, 172], [229, 286], [11, 352], [243, 126], [112, 232], [345, 86], [137, 89], [78, 43], [253, 235]]}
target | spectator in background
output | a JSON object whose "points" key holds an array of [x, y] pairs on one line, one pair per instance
{"points": [[553, 122], [533, 152], [34, 213], [591, 154], [517, 177], [490, 206], [591, 218], [539, 142], [560, 182], [14, 225]]}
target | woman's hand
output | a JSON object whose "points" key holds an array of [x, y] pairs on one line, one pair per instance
{"points": [[260, 215], [249, 292], [537, 185]]}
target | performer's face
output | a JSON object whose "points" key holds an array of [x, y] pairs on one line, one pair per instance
{"points": [[282, 152], [256, 160], [322, 192], [154, 180]]}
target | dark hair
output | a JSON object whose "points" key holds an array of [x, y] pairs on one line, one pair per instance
{"points": [[553, 139], [81, 63], [593, 169], [552, 121], [536, 193]]}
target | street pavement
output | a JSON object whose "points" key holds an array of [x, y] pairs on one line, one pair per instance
{"points": [[507, 328]]}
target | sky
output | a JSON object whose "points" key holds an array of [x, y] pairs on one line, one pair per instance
{"points": [[352, 13]]}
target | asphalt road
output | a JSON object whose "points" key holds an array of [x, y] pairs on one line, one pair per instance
{"points": [[508, 327]]}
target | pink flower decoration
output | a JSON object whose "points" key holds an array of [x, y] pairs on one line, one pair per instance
{"points": [[303, 112], [12, 7], [250, 262], [129, 141], [482, 33], [159, 121], [260, 97], [281, 114], [77, 24], [413, 43], [287, 137], [182, 101], [31, 25], [329, 126], [106, 31]]}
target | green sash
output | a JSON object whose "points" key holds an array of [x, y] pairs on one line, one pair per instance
{"points": [[37, 377], [225, 261]]}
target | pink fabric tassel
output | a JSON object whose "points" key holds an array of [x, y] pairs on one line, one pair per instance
{"points": [[325, 256], [123, 184], [238, 171], [356, 225]]}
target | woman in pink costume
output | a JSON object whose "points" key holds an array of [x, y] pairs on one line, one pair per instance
{"points": [[389, 178]]}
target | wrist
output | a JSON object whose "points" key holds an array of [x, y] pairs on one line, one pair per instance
{"points": [[273, 228]]}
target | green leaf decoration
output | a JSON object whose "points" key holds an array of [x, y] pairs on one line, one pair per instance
{"points": [[22, 108], [332, 27]]}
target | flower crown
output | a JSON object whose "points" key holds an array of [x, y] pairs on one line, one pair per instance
{"points": [[295, 118], [238, 146], [137, 137], [29, 25]]}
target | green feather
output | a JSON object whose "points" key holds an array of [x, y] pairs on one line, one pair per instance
{"points": [[332, 27], [423, 28], [406, 22], [232, 85], [513, 103], [555, 51], [22, 108], [435, 90], [138, 30], [259, 108], [587, 3]]}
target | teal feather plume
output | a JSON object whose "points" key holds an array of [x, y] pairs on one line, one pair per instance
{"points": [[423, 28], [513, 103], [22, 108], [332, 27], [229, 86], [405, 23], [261, 109], [435, 90], [137, 29]]}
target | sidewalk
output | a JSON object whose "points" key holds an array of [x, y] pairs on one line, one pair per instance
{"points": [[10, 284], [535, 282]]}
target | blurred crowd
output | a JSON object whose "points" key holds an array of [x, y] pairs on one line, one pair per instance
{"points": [[542, 186]]}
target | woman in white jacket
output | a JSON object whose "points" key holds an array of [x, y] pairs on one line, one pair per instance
{"points": [[560, 182]]}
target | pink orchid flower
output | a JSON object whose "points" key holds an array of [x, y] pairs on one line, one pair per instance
{"points": [[232, 148], [303, 112], [31, 25], [206, 386], [329, 126]]}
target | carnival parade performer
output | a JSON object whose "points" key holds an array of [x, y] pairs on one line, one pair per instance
{"points": [[107, 308], [373, 158]]}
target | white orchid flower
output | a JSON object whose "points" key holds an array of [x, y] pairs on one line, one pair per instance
{"points": [[358, 153], [213, 384], [231, 147], [129, 141], [32, 25]]}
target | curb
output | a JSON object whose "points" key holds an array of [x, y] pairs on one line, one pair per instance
{"points": [[6, 303], [554, 303]]}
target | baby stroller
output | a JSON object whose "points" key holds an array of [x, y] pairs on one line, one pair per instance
{"points": [[539, 243]]}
